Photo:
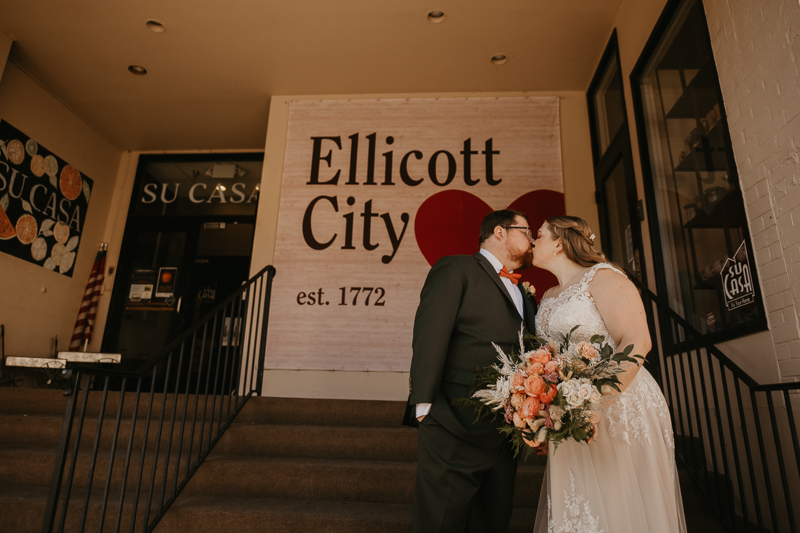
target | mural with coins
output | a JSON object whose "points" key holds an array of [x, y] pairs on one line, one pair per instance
{"points": [[43, 203]]}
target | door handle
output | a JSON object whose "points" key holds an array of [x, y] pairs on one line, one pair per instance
{"points": [[178, 308]]}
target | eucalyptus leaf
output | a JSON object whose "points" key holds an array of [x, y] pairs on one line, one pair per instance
{"points": [[26, 206], [54, 181], [87, 191], [50, 264], [4, 202], [46, 225], [72, 243], [628, 349], [47, 233]]}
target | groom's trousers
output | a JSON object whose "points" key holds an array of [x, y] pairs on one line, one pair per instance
{"points": [[460, 487]]}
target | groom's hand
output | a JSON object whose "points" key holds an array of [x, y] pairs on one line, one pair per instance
{"points": [[595, 420]]}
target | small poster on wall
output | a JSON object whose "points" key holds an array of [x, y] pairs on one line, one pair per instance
{"points": [[43, 203]]}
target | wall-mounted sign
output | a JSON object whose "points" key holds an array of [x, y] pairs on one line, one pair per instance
{"points": [[43, 203], [165, 285], [737, 282], [373, 193]]}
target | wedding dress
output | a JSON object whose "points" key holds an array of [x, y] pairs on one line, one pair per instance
{"points": [[626, 481]]}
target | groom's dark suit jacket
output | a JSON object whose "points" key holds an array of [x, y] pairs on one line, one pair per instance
{"points": [[464, 308]]}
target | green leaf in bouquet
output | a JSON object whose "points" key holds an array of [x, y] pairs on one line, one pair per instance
{"points": [[597, 339], [579, 434], [628, 349]]}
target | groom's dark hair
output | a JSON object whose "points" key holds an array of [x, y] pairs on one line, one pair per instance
{"points": [[503, 217]]}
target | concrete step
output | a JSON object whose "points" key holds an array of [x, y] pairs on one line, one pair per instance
{"points": [[333, 442], [22, 510], [325, 479], [204, 514]]}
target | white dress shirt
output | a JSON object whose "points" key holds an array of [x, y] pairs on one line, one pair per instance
{"points": [[516, 295]]}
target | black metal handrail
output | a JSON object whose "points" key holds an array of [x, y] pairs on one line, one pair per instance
{"points": [[220, 359], [737, 439]]}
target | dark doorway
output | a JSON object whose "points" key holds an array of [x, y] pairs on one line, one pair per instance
{"points": [[187, 246]]}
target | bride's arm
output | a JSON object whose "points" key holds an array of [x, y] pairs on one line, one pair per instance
{"points": [[622, 311]]}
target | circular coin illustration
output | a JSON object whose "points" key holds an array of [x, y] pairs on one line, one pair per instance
{"points": [[27, 227], [51, 165], [37, 166], [61, 232], [39, 249], [16, 152], [31, 147], [71, 182], [66, 262], [59, 250]]}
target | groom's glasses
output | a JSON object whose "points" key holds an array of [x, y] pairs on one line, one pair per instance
{"points": [[527, 230]]}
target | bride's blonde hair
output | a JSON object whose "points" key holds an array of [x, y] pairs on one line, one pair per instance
{"points": [[577, 239]]}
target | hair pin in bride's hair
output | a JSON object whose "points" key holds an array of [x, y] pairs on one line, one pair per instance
{"points": [[591, 238]]}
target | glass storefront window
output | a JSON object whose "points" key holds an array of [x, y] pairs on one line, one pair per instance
{"points": [[608, 106], [704, 264]]}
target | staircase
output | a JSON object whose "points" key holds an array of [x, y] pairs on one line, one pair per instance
{"points": [[284, 465], [296, 465]]}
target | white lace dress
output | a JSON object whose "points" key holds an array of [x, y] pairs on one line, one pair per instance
{"points": [[626, 481]]}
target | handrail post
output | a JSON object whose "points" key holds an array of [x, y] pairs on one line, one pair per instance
{"points": [[264, 324], [58, 468]]}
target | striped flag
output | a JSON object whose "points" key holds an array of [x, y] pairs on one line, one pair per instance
{"points": [[83, 325]]}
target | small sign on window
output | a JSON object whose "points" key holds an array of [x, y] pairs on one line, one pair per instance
{"points": [[737, 281]]}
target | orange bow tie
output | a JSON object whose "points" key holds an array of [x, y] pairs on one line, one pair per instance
{"points": [[513, 277]]}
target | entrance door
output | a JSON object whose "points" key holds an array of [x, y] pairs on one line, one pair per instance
{"points": [[187, 246]]}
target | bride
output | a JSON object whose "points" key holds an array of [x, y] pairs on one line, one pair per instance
{"points": [[625, 480]]}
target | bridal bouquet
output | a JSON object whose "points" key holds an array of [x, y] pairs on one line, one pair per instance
{"points": [[548, 391]]}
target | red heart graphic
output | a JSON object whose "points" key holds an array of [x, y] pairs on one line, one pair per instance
{"points": [[449, 223]]}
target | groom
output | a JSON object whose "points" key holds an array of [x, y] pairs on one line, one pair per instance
{"points": [[465, 468]]}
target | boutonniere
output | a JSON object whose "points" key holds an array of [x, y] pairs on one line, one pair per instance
{"points": [[528, 289]]}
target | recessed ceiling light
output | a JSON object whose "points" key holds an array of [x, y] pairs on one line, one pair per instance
{"points": [[499, 59], [436, 16], [155, 26], [136, 70]]}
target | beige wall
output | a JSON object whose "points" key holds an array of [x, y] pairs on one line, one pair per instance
{"points": [[5, 47], [35, 303], [579, 194]]}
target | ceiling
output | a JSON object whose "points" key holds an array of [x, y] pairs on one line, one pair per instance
{"points": [[212, 73]]}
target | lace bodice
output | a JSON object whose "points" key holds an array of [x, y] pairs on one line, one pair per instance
{"points": [[574, 306], [625, 412]]}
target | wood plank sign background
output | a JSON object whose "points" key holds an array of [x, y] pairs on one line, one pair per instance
{"points": [[373, 193]]}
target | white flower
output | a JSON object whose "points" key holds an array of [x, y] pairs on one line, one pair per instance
{"points": [[535, 424], [595, 395], [574, 400], [541, 436], [585, 390], [556, 413]]}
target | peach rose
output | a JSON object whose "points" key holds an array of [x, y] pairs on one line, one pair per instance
{"points": [[549, 394], [530, 407], [516, 400], [534, 385], [536, 368], [551, 366], [517, 382], [542, 355]]}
